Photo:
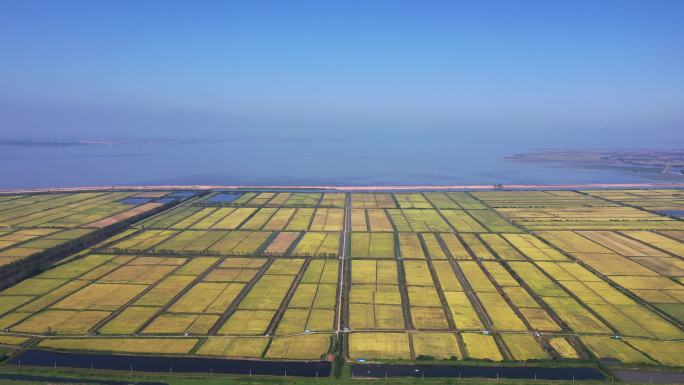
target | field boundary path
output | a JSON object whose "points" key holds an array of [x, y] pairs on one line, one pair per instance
{"points": [[342, 260]]}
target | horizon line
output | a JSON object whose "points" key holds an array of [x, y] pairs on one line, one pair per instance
{"points": [[352, 188]]}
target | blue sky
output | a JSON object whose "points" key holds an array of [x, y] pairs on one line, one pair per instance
{"points": [[502, 69]]}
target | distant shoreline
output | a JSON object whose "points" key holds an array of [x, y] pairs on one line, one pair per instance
{"points": [[663, 165], [356, 188]]}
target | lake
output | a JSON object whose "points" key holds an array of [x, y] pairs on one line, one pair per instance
{"points": [[304, 161]]}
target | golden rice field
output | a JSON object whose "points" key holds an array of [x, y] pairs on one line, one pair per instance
{"points": [[32, 224], [483, 276]]}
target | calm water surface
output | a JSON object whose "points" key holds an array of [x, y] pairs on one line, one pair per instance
{"points": [[286, 162]]}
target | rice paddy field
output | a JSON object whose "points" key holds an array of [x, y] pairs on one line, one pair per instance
{"points": [[558, 276], [31, 224]]}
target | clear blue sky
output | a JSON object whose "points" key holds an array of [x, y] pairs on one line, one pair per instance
{"points": [[382, 67]]}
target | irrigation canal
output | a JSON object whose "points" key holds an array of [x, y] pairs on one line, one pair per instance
{"points": [[468, 371], [158, 364]]}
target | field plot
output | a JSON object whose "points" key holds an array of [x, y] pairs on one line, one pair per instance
{"points": [[677, 235], [433, 246], [568, 210], [279, 219], [503, 249], [481, 347], [62, 210], [589, 218], [188, 217], [454, 246], [459, 304], [524, 347], [466, 268], [314, 244], [302, 347], [462, 222], [327, 220], [466, 200], [652, 200], [300, 220], [603, 347], [242, 198], [426, 307], [138, 296], [373, 201], [370, 220], [638, 267], [665, 352], [303, 199], [566, 307], [477, 248], [410, 246], [281, 243], [412, 201], [493, 221], [282, 275], [520, 299], [441, 201], [546, 199], [193, 242], [124, 345], [621, 312], [500, 313], [336, 200], [533, 248], [254, 313], [312, 306], [372, 245], [250, 218], [418, 220], [169, 218], [436, 346], [248, 347], [672, 246], [238, 231], [33, 224], [379, 345], [563, 347], [375, 298]]}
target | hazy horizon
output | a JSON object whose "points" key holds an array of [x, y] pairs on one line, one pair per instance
{"points": [[603, 71]]}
